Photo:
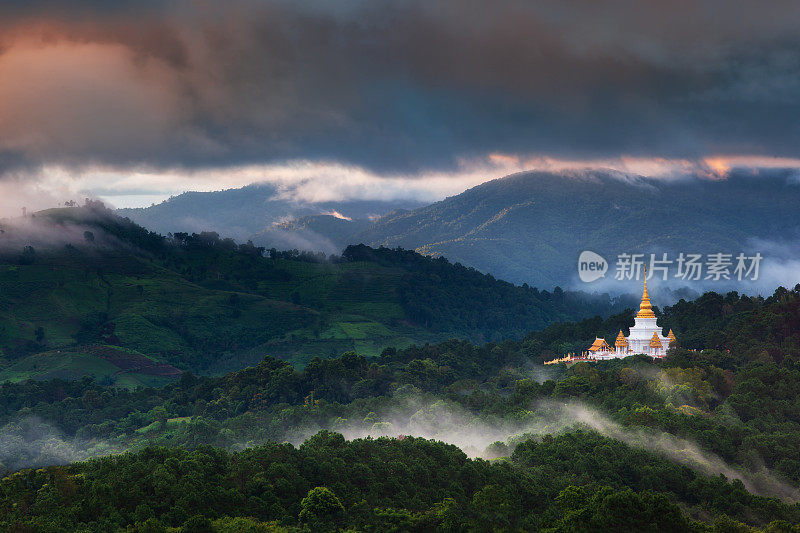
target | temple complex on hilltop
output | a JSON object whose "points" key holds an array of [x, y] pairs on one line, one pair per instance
{"points": [[645, 338]]}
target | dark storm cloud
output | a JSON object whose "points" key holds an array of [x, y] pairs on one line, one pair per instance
{"points": [[394, 85]]}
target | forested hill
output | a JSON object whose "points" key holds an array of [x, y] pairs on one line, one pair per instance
{"points": [[700, 441], [78, 282]]}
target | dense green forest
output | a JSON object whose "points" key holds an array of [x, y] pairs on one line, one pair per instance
{"points": [[408, 484], [705, 439], [76, 281]]}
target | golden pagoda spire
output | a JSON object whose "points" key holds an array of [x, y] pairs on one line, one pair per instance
{"points": [[645, 309]]}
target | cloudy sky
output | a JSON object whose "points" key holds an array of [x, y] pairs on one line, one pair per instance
{"points": [[136, 100]]}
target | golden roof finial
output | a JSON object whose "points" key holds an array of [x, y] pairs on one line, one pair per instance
{"points": [[645, 309], [645, 279]]}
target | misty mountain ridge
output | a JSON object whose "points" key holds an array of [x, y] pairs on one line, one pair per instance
{"points": [[245, 212], [325, 233], [531, 227]]}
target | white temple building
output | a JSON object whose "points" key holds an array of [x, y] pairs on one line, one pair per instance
{"points": [[645, 336]]}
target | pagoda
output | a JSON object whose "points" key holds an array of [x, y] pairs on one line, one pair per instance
{"points": [[645, 336], [621, 345]]}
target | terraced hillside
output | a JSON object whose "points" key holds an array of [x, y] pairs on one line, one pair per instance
{"points": [[108, 365]]}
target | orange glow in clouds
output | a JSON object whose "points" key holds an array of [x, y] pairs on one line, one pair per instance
{"points": [[719, 167]]}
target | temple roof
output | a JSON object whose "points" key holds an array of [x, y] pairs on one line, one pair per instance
{"points": [[599, 344], [655, 342], [671, 335], [621, 341]]}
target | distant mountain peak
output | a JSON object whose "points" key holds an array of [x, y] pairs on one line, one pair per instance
{"points": [[251, 210], [530, 227]]}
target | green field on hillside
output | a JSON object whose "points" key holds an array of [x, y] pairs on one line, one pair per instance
{"points": [[71, 278], [156, 312], [107, 365]]}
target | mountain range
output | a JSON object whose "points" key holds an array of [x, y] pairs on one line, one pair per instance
{"points": [[268, 210], [531, 227]]}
